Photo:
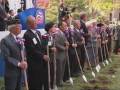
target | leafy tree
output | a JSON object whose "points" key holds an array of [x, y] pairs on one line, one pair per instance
{"points": [[52, 10], [93, 7]]}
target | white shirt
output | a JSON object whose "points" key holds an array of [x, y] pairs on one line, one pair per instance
{"points": [[77, 30], [34, 31], [14, 36]]}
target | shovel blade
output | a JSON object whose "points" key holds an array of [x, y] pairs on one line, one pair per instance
{"points": [[97, 69], [84, 78], [71, 81], [103, 64], [107, 62], [110, 59], [55, 88], [93, 74]]}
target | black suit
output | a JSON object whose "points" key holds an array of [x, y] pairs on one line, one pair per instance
{"points": [[85, 30], [83, 26], [37, 67], [72, 56], [80, 47]]}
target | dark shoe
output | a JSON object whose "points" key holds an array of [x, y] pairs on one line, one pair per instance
{"points": [[76, 75], [60, 85]]}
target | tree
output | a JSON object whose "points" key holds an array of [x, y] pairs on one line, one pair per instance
{"points": [[102, 7], [93, 7], [52, 10]]}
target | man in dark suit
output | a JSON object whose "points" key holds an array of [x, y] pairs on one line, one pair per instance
{"points": [[83, 19], [79, 39], [36, 56], [11, 51]]}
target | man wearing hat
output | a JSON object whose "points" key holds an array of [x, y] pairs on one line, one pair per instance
{"points": [[11, 51]]}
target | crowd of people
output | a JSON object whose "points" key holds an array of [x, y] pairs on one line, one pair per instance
{"points": [[6, 14], [51, 59], [44, 62]]}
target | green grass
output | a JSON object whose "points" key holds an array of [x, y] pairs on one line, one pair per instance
{"points": [[108, 77], [1, 83]]}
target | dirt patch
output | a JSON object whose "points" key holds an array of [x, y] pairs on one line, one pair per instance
{"points": [[100, 80], [93, 81], [95, 88], [115, 66], [103, 80], [111, 71]]}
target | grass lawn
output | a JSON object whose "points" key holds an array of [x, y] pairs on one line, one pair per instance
{"points": [[1, 83], [107, 79]]}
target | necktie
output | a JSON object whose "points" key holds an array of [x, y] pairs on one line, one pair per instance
{"points": [[17, 39], [38, 37], [18, 42]]}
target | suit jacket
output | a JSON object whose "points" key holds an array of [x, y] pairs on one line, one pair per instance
{"points": [[60, 40], [69, 35], [11, 52], [83, 26], [34, 50], [78, 37], [80, 47]]}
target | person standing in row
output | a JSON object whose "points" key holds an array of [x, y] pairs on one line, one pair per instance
{"points": [[79, 38], [11, 51], [83, 19], [91, 45], [64, 28], [51, 30], [36, 57], [61, 46]]}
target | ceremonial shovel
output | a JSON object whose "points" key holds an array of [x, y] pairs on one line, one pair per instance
{"points": [[93, 74], [83, 76], [106, 61], [48, 68], [54, 58], [102, 55], [70, 78], [97, 66], [23, 59], [108, 53]]}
